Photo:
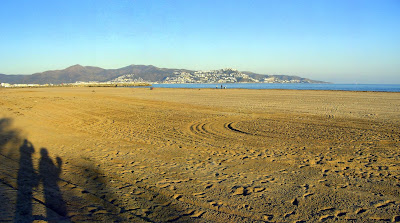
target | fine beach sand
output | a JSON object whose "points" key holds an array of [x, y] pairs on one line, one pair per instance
{"points": [[190, 155]]}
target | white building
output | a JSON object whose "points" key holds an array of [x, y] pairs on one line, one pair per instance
{"points": [[5, 85]]}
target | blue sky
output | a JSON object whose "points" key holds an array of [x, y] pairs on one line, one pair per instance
{"points": [[345, 41]]}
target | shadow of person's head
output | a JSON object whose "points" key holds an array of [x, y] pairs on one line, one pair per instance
{"points": [[44, 152]]}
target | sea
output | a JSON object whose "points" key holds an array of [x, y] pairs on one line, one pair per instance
{"points": [[331, 87]]}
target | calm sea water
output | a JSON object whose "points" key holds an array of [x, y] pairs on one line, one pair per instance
{"points": [[339, 87]]}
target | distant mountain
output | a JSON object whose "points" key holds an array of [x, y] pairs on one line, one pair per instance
{"points": [[147, 73]]}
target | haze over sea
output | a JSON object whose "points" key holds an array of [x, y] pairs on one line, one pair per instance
{"points": [[339, 87]]}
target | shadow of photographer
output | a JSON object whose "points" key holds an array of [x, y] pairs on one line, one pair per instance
{"points": [[49, 174], [28, 179]]}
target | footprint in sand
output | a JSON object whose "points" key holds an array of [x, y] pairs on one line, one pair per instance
{"points": [[197, 214], [207, 186], [166, 204], [396, 218], [360, 211], [188, 212], [145, 212], [289, 214], [307, 195], [305, 186], [380, 219], [326, 217], [383, 204], [173, 218], [268, 217], [240, 191], [199, 195], [177, 196], [340, 213], [258, 189], [213, 203], [92, 209], [137, 192], [163, 185], [327, 209]]}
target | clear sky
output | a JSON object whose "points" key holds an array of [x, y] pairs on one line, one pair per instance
{"points": [[342, 41]]}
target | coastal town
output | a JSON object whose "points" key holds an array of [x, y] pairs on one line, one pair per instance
{"points": [[226, 75]]}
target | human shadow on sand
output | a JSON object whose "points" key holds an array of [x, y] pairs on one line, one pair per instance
{"points": [[49, 174], [27, 180], [20, 181], [30, 191], [9, 144]]}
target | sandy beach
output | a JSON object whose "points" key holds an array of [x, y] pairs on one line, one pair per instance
{"points": [[190, 155]]}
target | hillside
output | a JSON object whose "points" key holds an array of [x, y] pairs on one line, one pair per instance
{"points": [[147, 73]]}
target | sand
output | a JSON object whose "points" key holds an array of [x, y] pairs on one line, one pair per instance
{"points": [[190, 155]]}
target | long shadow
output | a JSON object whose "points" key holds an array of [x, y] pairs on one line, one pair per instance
{"points": [[27, 179], [20, 183], [49, 174], [122, 208], [9, 141], [98, 192]]}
